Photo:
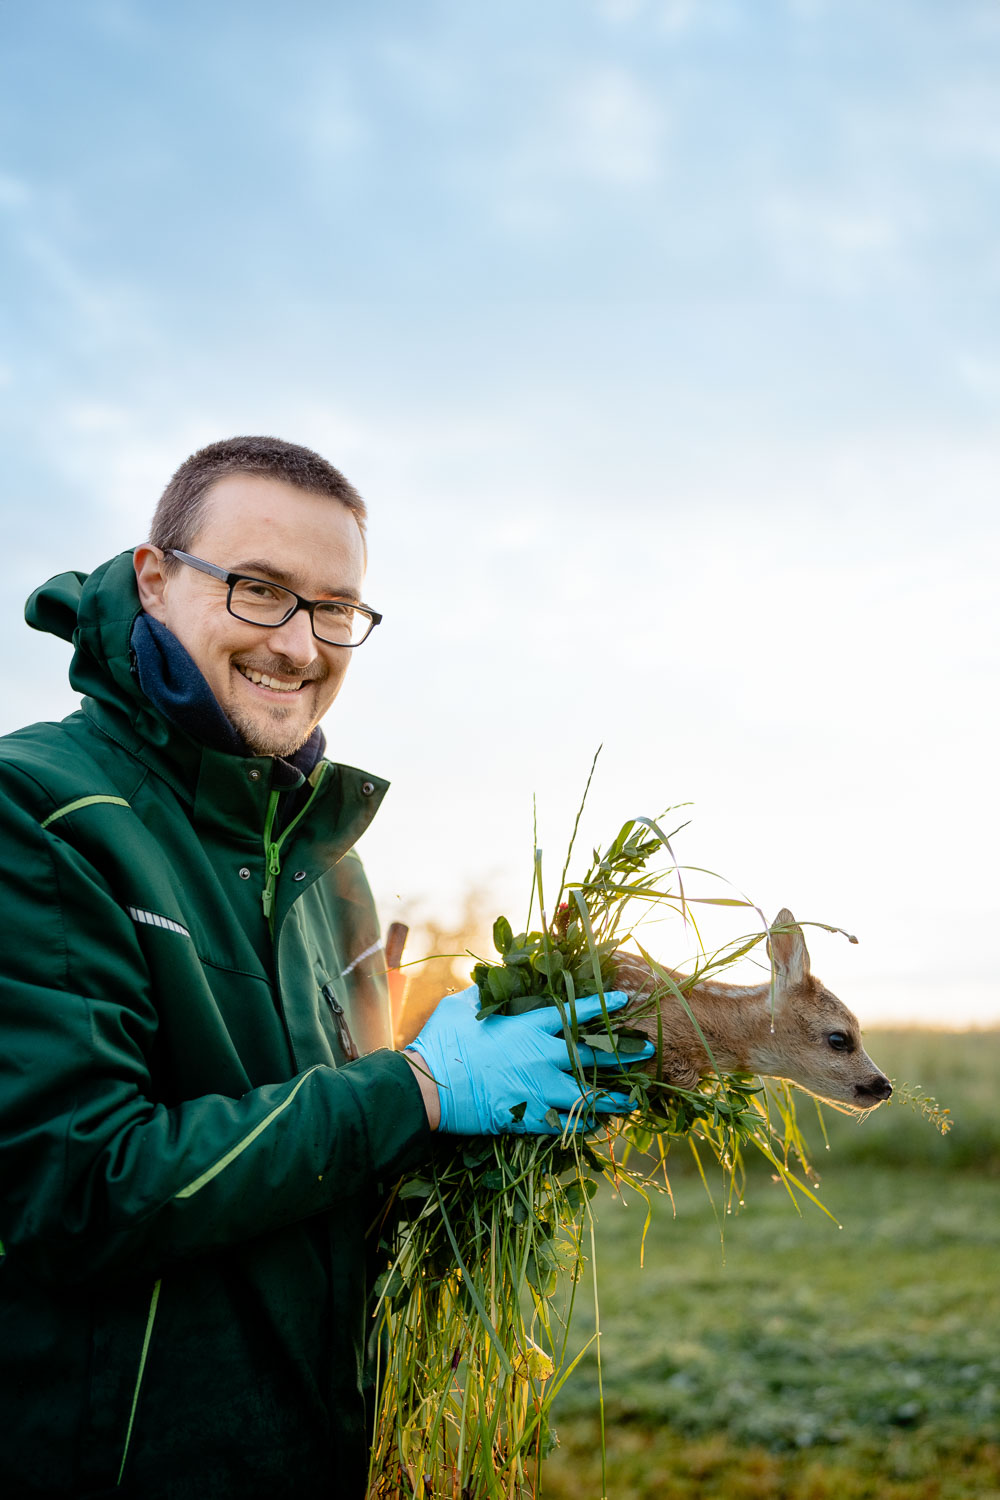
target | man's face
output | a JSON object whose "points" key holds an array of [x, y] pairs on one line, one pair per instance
{"points": [[272, 530]]}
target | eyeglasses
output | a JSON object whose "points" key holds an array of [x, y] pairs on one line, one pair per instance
{"points": [[338, 622]]}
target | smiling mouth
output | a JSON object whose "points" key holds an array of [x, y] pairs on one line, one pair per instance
{"points": [[261, 679]]}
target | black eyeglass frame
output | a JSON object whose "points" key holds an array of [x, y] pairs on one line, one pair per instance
{"points": [[309, 605]]}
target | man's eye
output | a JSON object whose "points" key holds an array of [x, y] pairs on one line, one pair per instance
{"points": [[334, 609], [258, 591]]}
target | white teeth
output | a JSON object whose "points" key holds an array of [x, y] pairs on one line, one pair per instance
{"points": [[270, 682]]}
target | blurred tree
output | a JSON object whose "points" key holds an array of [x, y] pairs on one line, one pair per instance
{"points": [[438, 959]]}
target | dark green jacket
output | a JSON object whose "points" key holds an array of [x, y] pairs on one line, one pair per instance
{"points": [[187, 1166]]}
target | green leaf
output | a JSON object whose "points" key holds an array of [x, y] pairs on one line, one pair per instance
{"points": [[503, 936], [517, 1110], [599, 1040], [630, 1046], [580, 1192], [517, 955], [550, 963], [548, 1440], [642, 1140], [554, 1118], [415, 1187], [503, 984], [542, 1267], [390, 1284], [521, 1004]]}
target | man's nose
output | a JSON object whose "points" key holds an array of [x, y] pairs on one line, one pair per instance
{"points": [[294, 640]]}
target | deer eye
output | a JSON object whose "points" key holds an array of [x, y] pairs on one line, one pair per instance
{"points": [[839, 1041]]}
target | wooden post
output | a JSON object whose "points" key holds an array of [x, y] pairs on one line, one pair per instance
{"points": [[395, 940]]}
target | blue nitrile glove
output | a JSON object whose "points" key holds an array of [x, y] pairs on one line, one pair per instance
{"points": [[485, 1069]]}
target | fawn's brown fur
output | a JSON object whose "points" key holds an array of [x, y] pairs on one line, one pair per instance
{"points": [[815, 1040]]}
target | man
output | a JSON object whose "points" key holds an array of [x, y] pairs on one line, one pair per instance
{"points": [[197, 1100]]}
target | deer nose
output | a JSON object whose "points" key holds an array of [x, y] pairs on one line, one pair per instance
{"points": [[876, 1089]]}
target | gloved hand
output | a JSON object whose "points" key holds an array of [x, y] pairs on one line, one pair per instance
{"points": [[485, 1069]]}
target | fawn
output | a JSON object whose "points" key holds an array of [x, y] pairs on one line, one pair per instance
{"points": [[815, 1041]]}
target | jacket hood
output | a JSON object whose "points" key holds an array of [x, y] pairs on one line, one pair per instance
{"points": [[95, 612]]}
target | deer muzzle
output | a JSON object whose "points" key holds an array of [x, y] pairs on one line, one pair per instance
{"points": [[874, 1090]]}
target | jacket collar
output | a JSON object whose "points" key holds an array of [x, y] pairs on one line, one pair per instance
{"points": [[170, 678]]}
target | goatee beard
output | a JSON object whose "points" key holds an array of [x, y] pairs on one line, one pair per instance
{"points": [[275, 739]]}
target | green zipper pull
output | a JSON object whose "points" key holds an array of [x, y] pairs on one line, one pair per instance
{"points": [[340, 1021], [272, 847], [272, 856], [273, 871]]}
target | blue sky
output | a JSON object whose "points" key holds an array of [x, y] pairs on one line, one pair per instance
{"points": [[661, 338]]}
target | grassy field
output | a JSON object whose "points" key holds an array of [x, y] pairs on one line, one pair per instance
{"points": [[788, 1357]]}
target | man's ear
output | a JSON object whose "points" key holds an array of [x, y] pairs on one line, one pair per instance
{"points": [[150, 579]]}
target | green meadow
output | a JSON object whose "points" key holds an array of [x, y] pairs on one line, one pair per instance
{"points": [[773, 1353]]}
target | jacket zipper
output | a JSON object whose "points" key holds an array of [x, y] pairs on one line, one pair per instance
{"points": [[272, 847], [340, 1021]]}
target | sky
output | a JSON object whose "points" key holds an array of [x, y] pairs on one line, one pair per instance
{"points": [[661, 338]]}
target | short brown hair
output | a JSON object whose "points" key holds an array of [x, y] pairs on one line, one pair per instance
{"points": [[178, 514]]}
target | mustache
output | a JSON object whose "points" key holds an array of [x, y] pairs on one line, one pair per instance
{"points": [[280, 666]]}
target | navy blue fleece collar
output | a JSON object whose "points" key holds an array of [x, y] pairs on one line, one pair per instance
{"points": [[174, 685]]}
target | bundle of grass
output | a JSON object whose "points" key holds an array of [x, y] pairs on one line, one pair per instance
{"points": [[474, 1340]]}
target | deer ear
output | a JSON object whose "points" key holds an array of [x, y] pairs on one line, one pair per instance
{"points": [[788, 949]]}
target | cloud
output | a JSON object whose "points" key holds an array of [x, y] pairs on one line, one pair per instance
{"points": [[604, 129], [96, 416], [964, 121], [619, 11], [670, 17], [981, 376], [834, 242], [327, 122], [14, 192], [614, 128]]}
